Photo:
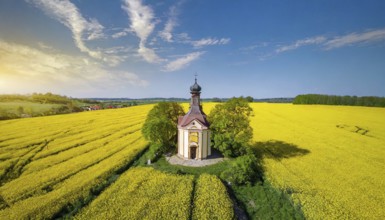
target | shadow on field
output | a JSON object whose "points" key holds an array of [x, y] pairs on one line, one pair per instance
{"points": [[277, 150], [260, 199]]}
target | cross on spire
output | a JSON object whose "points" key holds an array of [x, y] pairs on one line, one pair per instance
{"points": [[195, 77]]}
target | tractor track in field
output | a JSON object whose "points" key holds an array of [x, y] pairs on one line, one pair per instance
{"points": [[16, 169], [49, 185], [83, 142], [80, 145]]}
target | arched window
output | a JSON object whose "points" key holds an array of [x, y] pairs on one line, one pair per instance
{"points": [[193, 137]]}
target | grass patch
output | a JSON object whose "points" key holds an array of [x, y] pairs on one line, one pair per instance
{"points": [[18, 109], [28, 106]]}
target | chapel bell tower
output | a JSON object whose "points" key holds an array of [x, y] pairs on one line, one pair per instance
{"points": [[193, 129]]}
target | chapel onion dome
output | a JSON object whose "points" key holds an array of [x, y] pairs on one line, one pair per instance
{"points": [[195, 88]]}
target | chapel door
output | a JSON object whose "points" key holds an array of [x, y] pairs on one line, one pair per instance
{"points": [[193, 152]]}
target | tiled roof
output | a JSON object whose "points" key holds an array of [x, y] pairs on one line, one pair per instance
{"points": [[195, 112]]}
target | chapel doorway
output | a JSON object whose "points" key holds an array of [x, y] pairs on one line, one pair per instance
{"points": [[193, 152]]}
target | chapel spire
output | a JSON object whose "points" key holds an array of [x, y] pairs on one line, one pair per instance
{"points": [[195, 89], [193, 128], [195, 111]]}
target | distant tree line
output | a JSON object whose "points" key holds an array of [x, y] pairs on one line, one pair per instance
{"points": [[216, 99], [275, 100], [13, 97], [308, 99]]}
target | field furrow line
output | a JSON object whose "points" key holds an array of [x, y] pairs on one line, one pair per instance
{"points": [[61, 145], [77, 151], [15, 170], [72, 190], [53, 175]]}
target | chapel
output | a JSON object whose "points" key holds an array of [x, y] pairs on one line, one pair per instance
{"points": [[193, 129]]}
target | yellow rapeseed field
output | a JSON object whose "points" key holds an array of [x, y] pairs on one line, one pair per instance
{"points": [[143, 193], [211, 200], [331, 159], [47, 163]]}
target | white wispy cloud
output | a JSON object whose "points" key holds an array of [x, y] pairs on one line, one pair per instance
{"points": [[337, 41], [166, 34], [149, 54], [94, 29], [142, 24], [301, 43], [68, 14], [27, 69], [119, 50], [355, 38], [183, 37], [42, 45], [120, 34], [182, 61], [254, 46], [210, 41]]}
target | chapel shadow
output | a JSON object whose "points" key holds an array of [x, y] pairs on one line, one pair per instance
{"points": [[277, 150], [215, 154]]}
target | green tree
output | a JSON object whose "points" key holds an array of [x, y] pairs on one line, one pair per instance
{"points": [[249, 99], [160, 126], [243, 170], [230, 125]]}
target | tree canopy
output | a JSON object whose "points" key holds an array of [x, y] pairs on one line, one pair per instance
{"points": [[243, 170], [249, 99], [160, 126], [230, 126]]}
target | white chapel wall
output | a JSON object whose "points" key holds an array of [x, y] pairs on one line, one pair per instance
{"points": [[204, 145], [208, 142], [200, 146], [185, 145], [180, 142]]}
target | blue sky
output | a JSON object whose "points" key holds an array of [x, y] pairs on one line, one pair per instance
{"points": [[137, 49]]}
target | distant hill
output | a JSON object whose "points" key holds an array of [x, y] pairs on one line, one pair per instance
{"points": [[39, 104]]}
